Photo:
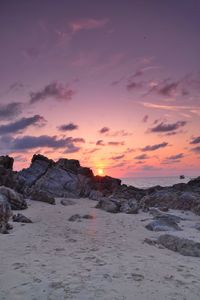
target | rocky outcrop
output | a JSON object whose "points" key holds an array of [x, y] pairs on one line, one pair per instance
{"points": [[109, 205], [6, 162], [129, 206], [170, 198], [5, 213], [7, 176], [15, 199], [184, 246]]}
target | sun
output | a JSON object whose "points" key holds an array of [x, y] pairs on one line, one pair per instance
{"points": [[100, 172]]}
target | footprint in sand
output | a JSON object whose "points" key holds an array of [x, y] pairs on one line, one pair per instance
{"points": [[19, 265]]}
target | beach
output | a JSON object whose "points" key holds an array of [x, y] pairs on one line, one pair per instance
{"points": [[100, 258]]}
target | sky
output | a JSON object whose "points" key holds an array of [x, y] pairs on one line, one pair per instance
{"points": [[114, 84]]}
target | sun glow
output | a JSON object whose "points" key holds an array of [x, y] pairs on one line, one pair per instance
{"points": [[100, 172]]}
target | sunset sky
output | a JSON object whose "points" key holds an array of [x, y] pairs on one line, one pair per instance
{"points": [[114, 83]]}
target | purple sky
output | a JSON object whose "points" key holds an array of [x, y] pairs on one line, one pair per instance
{"points": [[115, 84]]}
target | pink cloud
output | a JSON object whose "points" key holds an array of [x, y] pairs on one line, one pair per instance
{"points": [[87, 24]]}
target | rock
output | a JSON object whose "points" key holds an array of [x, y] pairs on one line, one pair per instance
{"points": [[66, 202], [5, 214], [171, 199], [15, 199], [42, 196], [106, 184], [129, 206], [163, 224], [128, 192], [69, 165], [197, 226], [74, 218], [109, 205], [28, 177], [95, 195], [184, 246], [88, 217], [21, 218], [150, 242], [6, 162]]}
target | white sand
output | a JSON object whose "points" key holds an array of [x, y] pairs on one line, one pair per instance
{"points": [[103, 258]]}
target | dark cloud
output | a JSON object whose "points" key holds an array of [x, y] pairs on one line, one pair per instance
{"points": [[78, 140], [150, 168], [195, 140], [115, 143], [10, 110], [100, 143], [22, 124], [31, 142], [68, 127], [104, 130], [117, 157], [175, 157], [133, 85], [168, 89], [145, 119], [53, 90], [142, 157], [154, 147], [164, 127], [196, 149]]}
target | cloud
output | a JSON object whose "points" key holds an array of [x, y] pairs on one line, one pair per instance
{"points": [[145, 119], [78, 140], [142, 157], [117, 157], [150, 168], [195, 140], [22, 124], [87, 24], [175, 157], [31, 142], [196, 149], [53, 90], [31, 53], [168, 89], [115, 143], [120, 133], [104, 130], [10, 110], [68, 127], [154, 147], [163, 127], [133, 85], [100, 143]]}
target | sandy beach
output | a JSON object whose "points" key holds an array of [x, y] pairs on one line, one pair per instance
{"points": [[100, 258]]}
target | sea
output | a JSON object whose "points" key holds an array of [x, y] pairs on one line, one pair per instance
{"points": [[146, 182]]}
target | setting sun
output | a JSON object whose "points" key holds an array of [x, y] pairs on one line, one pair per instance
{"points": [[100, 172]]}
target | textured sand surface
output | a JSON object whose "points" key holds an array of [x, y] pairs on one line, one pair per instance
{"points": [[102, 258]]}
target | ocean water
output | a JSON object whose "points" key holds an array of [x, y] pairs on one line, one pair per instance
{"points": [[146, 182]]}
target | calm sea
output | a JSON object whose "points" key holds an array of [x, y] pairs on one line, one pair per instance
{"points": [[145, 182]]}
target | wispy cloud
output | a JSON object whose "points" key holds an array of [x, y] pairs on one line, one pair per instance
{"points": [[104, 130], [154, 147], [87, 24], [142, 157], [118, 157], [166, 127], [54, 90], [195, 140], [68, 127], [10, 110], [22, 124]]}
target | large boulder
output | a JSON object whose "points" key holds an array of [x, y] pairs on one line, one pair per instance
{"points": [[163, 223], [42, 196], [183, 246], [106, 184], [129, 192], [15, 199], [129, 206], [7, 176], [5, 213], [109, 205]]}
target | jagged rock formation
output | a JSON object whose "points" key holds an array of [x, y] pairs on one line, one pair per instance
{"points": [[15, 199], [65, 178], [7, 176]]}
